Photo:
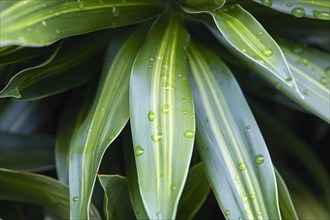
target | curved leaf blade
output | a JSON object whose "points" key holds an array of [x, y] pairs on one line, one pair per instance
{"points": [[39, 23], [318, 9], [162, 116], [246, 35], [117, 204], [34, 152], [232, 149], [65, 68], [194, 193], [105, 120]]}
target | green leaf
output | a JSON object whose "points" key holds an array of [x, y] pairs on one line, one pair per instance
{"points": [[26, 152], [286, 206], [56, 73], [194, 193], [162, 116], [319, 9], [105, 120], [231, 147], [311, 69], [248, 38], [39, 23], [38, 189], [74, 113], [117, 204], [204, 4]]}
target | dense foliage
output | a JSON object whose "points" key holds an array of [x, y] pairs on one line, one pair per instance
{"points": [[134, 109]]}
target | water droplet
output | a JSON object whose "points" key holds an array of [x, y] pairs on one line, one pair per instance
{"points": [[168, 85], [151, 62], [289, 5], [101, 2], [297, 49], [115, 12], [247, 127], [305, 92], [138, 151], [164, 76], [165, 108], [184, 112], [44, 23], [252, 196], [236, 177], [241, 166], [259, 213], [289, 79], [102, 109], [227, 212], [278, 85], [327, 71], [322, 15], [189, 134], [267, 3], [90, 130], [156, 137], [248, 211], [58, 31], [304, 61], [81, 4], [184, 99], [151, 116], [298, 12], [260, 33], [259, 158], [267, 52], [75, 199], [161, 174], [324, 80], [244, 198], [243, 50], [159, 215], [172, 187], [239, 218]]}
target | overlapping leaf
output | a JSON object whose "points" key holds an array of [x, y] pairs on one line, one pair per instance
{"points": [[248, 38], [64, 69], [106, 118], [117, 204], [232, 149], [318, 9], [162, 116], [38, 23]]}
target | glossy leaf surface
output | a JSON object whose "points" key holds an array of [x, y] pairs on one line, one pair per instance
{"points": [[39, 23], [162, 116], [231, 147], [317, 9], [105, 120], [117, 204]]}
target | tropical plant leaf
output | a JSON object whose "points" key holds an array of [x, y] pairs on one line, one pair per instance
{"points": [[162, 116], [319, 9], [38, 189], [117, 204], [311, 69], [39, 23], [73, 116], [194, 193], [286, 206], [231, 147], [248, 38], [105, 120], [55, 74], [26, 152]]}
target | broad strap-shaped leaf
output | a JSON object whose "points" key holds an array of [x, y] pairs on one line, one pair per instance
{"points": [[117, 204], [194, 193], [26, 152], [311, 69], [39, 23], [65, 68], [38, 189], [106, 118], [318, 9], [246, 35], [162, 116], [231, 147], [74, 113], [286, 206]]}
